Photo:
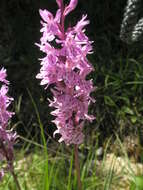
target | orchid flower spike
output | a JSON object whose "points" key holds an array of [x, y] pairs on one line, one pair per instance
{"points": [[66, 67], [7, 137]]}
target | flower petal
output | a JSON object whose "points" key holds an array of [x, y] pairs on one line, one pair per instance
{"points": [[72, 5]]}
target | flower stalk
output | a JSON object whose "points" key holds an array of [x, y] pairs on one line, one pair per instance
{"points": [[11, 167], [77, 167], [15, 179]]}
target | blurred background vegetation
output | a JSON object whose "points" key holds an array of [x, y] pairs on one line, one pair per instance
{"points": [[118, 72]]}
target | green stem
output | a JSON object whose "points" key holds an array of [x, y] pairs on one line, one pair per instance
{"points": [[77, 167], [15, 179], [10, 164]]}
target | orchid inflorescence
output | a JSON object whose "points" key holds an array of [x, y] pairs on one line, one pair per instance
{"points": [[7, 137], [66, 67]]}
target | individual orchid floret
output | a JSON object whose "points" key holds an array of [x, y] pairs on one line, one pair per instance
{"points": [[50, 27], [65, 68], [72, 5], [3, 76], [81, 24], [7, 137], [5, 101]]}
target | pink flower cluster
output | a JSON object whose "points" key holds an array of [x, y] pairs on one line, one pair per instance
{"points": [[7, 137], [66, 67]]}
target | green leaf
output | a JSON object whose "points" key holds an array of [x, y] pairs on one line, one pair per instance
{"points": [[127, 110], [133, 119], [137, 184], [109, 101], [106, 80], [125, 99]]}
